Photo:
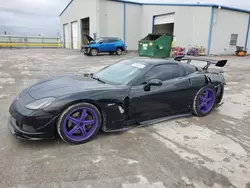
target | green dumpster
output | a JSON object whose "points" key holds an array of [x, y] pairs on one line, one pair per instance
{"points": [[155, 45]]}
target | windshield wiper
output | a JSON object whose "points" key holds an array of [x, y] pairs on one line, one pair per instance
{"points": [[98, 79]]}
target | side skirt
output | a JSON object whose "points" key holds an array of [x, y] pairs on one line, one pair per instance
{"points": [[116, 130], [127, 125], [150, 122]]}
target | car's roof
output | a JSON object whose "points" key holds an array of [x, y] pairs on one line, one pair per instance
{"points": [[151, 61]]}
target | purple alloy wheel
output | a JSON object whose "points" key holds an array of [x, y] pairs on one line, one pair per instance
{"points": [[206, 100], [80, 124]]}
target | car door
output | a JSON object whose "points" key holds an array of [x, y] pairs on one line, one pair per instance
{"points": [[112, 45], [164, 100], [103, 45]]}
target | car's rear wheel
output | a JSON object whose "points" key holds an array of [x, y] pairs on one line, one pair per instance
{"points": [[118, 51], [93, 52], [204, 101], [79, 123]]}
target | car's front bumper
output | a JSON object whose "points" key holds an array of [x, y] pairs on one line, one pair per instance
{"points": [[21, 134], [30, 124], [85, 49]]}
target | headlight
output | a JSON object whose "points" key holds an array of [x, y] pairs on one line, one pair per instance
{"points": [[18, 96], [40, 104]]}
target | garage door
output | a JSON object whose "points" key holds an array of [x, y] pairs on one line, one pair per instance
{"points": [[66, 35], [74, 34], [164, 19]]}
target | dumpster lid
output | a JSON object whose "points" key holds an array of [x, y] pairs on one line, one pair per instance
{"points": [[154, 36]]}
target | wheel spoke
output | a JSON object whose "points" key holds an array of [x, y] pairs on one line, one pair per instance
{"points": [[201, 98], [83, 115], [83, 130], [74, 129], [206, 94], [73, 120], [210, 99], [89, 122], [201, 105]]}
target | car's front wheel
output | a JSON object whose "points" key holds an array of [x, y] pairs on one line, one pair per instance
{"points": [[204, 101], [79, 123], [93, 52]]}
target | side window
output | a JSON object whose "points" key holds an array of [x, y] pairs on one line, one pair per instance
{"points": [[112, 40], [162, 72], [105, 41], [189, 69]]}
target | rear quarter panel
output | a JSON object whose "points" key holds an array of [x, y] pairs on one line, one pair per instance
{"points": [[196, 82], [120, 44], [218, 81], [216, 77]]}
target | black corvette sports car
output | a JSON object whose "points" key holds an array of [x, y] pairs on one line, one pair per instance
{"points": [[137, 91]]}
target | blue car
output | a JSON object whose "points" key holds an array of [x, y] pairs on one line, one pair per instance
{"points": [[111, 45]]}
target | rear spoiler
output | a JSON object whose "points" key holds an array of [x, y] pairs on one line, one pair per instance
{"points": [[218, 63]]}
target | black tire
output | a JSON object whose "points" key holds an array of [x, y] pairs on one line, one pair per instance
{"points": [[202, 108], [118, 51], [93, 52], [73, 109]]}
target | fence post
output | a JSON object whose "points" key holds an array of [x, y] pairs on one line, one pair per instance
{"points": [[57, 41], [10, 42]]}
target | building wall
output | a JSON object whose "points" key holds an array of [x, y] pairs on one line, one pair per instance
{"points": [[227, 22], [112, 22], [111, 19], [191, 27], [191, 23], [133, 25], [77, 10], [103, 29]]}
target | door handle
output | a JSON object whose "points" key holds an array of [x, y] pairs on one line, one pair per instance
{"points": [[189, 82]]}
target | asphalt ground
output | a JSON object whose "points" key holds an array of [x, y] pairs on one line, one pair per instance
{"points": [[213, 151]]}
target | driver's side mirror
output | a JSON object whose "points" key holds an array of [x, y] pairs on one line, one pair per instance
{"points": [[100, 42], [153, 82]]}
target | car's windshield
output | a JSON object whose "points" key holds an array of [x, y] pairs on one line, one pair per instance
{"points": [[120, 73], [98, 40]]}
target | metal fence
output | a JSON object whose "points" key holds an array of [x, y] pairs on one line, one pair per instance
{"points": [[10, 41]]}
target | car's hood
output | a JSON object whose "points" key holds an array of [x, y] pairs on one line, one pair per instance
{"points": [[89, 38], [65, 85]]}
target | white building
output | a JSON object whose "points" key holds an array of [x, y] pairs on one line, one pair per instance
{"points": [[217, 28]]}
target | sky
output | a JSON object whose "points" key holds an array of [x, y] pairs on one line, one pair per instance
{"points": [[34, 17], [30, 17]]}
